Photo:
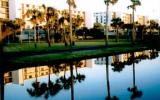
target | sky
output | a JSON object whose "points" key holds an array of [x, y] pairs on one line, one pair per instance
{"points": [[148, 8]]}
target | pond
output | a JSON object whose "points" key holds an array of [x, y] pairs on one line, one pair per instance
{"points": [[117, 77]]}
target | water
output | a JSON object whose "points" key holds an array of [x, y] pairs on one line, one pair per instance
{"points": [[124, 77]]}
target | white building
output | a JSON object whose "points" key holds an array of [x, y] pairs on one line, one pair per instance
{"points": [[100, 17]]}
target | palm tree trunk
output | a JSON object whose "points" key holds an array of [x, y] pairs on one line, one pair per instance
{"points": [[133, 72], [36, 74], [29, 36], [64, 35], [35, 42], [76, 70], [49, 41], [49, 77], [1, 43], [117, 34], [1, 86], [21, 36], [72, 82], [65, 71], [133, 30], [107, 76], [106, 30], [70, 20]]}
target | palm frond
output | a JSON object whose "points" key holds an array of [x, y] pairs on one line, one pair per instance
{"points": [[71, 3]]}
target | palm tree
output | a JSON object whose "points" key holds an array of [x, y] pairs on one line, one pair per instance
{"points": [[51, 18], [36, 17], [107, 2], [117, 23], [77, 23], [152, 25], [63, 22], [71, 4], [20, 23], [133, 7], [8, 28], [79, 76]]}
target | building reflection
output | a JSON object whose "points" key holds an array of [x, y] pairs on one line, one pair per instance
{"points": [[119, 61], [64, 82], [52, 87], [20, 75]]}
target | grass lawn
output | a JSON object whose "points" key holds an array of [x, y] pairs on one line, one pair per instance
{"points": [[45, 58], [43, 46]]}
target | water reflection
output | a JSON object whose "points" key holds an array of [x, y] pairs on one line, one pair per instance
{"points": [[1, 86], [134, 90], [53, 87], [108, 84], [60, 78], [119, 61]]}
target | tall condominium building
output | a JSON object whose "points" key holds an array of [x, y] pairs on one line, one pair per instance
{"points": [[142, 20], [100, 17], [127, 18], [4, 9]]}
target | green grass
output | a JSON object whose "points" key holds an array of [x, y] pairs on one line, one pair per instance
{"points": [[73, 55], [42, 46]]}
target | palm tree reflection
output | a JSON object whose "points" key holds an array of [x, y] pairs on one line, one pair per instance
{"points": [[108, 84], [153, 54], [38, 89], [1, 86], [72, 81], [79, 76], [52, 88], [134, 90]]}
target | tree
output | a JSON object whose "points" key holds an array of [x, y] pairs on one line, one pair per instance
{"points": [[77, 23], [51, 18], [71, 4], [133, 7], [19, 23], [117, 23], [97, 31], [63, 22], [8, 28], [153, 25], [36, 17], [107, 2]]}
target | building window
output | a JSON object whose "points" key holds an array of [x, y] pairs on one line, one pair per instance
{"points": [[42, 69], [97, 19], [30, 76], [101, 19], [4, 4]]}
